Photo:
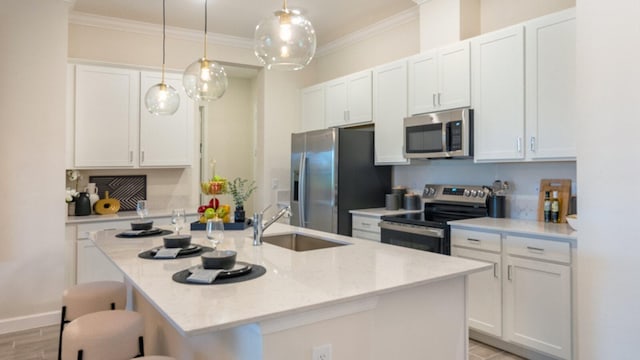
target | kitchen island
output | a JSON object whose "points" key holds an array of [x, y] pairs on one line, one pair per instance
{"points": [[364, 300]]}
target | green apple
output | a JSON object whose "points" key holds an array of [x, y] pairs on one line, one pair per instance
{"points": [[209, 213]]}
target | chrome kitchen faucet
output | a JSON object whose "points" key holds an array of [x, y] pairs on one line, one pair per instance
{"points": [[259, 227]]}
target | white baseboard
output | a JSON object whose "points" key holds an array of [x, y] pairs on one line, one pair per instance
{"points": [[22, 323]]}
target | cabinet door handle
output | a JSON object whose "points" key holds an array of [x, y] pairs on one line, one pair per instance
{"points": [[439, 99], [433, 99], [535, 249], [130, 156], [495, 270], [533, 144], [346, 115], [473, 240], [519, 144], [365, 224], [509, 272], [142, 156]]}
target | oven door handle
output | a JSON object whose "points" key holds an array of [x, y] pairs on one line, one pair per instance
{"points": [[418, 230]]}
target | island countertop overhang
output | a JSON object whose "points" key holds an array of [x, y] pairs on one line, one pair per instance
{"points": [[295, 281]]}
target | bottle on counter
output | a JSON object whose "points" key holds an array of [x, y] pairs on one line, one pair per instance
{"points": [[555, 208], [547, 207]]}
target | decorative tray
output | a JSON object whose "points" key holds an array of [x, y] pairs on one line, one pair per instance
{"points": [[196, 225]]}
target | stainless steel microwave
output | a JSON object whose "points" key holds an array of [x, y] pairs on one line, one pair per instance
{"points": [[446, 134]]}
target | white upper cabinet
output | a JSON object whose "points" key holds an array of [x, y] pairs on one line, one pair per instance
{"points": [[440, 79], [348, 100], [165, 140], [106, 113], [537, 60], [389, 110], [113, 129], [551, 86], [497, 61], [312, 108]]}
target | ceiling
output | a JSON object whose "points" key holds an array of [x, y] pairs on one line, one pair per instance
{"points": [[331, 19]]}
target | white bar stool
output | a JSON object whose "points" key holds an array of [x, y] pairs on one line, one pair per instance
{"points": [[90, 297], [104, 335]]}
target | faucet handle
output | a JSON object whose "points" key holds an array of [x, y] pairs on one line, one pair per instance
{"points": [[265, 209]]}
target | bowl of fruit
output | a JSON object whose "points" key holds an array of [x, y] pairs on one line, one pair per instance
{"points": [[217, 185], [213, 209]]}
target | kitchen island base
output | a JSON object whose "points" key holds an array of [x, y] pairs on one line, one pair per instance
{"points": [[424, 321]]}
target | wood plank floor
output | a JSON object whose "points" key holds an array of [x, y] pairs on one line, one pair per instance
{"points": [[42, 343]]}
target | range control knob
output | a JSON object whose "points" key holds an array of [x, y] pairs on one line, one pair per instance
{"points": [[467, 193], [474, 193], [481, 194]]}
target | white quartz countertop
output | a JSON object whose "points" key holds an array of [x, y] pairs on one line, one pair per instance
{"points": [[379, 212], [122, 215], [294, 282], [518, 226]]}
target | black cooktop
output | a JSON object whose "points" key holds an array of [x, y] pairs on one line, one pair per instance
{"points": [[437, 215]]}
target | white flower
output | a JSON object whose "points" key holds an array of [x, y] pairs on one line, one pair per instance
{"points": [[73, 175], [70, 195]]}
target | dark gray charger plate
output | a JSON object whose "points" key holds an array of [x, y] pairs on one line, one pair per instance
{"points": [[185, 253], [255, 272], [147, 233]]}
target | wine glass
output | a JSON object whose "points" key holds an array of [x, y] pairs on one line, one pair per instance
{"points": [[215, 230], [142, 209], [178, 219]]}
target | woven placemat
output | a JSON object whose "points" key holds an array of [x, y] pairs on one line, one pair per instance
{"points": [[149, 254], [256, 272]]}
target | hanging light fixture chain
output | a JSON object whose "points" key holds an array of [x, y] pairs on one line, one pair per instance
{"points": [[284, 5]]}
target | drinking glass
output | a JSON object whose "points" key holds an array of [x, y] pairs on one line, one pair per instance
{"points": [[215, 230], [178, 219], [142, 209]]}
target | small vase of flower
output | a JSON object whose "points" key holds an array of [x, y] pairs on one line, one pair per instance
{"points": [[240, 189]]}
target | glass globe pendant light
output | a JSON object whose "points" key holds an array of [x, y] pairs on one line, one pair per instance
{"points": [[205, 80], [286, 41], [162, 99]]}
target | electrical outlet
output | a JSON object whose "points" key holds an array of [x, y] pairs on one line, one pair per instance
{"points": [[322, 352]]}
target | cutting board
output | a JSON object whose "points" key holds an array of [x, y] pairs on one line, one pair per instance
{"points": [[563, 187]]}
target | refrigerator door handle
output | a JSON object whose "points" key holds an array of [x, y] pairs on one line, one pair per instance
{"points": [[302, 183]]}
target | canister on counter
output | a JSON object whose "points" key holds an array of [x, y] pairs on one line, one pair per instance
{"points": [[392, 201], [411, 202]]}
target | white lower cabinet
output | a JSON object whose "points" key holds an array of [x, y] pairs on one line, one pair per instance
{"points": [[537, 307], [365, 227], [93, 265], [525, 299], [485, 289], [89, 262]]}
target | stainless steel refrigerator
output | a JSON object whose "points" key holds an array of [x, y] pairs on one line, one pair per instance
{"points": [[332, 172]]}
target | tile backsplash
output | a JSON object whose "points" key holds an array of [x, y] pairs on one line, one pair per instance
{"points": [[166, 188], [524, 179]]}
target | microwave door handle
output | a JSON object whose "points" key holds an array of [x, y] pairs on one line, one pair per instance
{"points": [[445, 136]]}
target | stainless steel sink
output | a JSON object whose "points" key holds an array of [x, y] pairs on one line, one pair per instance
{"points": [[299, 242]]}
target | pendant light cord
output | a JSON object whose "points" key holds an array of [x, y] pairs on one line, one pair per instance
{"points": [[163, 37], [205, 28]]}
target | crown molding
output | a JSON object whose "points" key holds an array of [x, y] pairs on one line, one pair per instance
{"points": [[420, 2], [370, 31], [139, 27]]}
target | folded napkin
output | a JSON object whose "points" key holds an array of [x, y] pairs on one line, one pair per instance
{"points": [[167, 253], [203, 276]]}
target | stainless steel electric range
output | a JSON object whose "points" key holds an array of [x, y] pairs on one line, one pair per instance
{"points": [[429, 230]]}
